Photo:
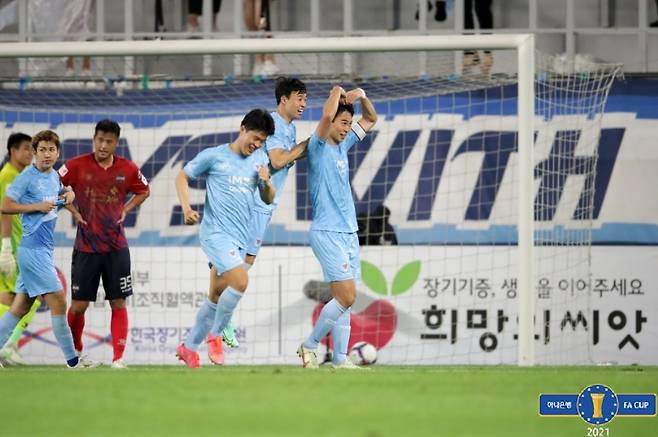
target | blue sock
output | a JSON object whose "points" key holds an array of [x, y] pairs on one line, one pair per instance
{"points": [[7, 324], [327, 320], [225, 307], [204, 320], [64, 338], [341, 337]]}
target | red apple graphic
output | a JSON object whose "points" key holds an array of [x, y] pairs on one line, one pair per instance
{"points": [[375, 325]]}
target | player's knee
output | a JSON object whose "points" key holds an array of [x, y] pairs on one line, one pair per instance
{"points": [[117, 304], [241, 284], [79, 307]]}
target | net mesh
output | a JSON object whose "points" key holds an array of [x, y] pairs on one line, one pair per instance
{"points": [[435, 186]]}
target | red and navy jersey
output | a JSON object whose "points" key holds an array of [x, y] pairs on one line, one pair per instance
{"points": [[100, 195]]}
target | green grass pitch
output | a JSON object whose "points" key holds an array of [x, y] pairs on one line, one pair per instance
{"points": [[290, 401]]}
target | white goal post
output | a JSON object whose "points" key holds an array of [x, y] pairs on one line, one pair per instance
{"points": [[523, 44]]}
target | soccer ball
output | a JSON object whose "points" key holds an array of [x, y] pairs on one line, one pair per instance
{"points": [[363, 354]]}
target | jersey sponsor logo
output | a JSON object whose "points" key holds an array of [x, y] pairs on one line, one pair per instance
{"points": [[341, 165], [120, 179]]}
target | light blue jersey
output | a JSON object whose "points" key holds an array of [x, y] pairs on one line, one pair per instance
{"points": [[231, 180], [284, 137], [331, 193], [37, 275], [33, 186]]}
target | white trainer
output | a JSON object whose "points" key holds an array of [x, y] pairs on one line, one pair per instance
{"points": [[12, 357], [348, 365], [308, 356], [87, 363], [119, 364]]}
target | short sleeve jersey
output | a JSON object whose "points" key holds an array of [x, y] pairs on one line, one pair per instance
{"points": [[7, 176], [231, 183], [100, 195], [331, 192], [284, 137], [34, 186]]}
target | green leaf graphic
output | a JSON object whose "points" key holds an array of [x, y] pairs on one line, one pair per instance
{"points": [[406, 277], [373, 277]]}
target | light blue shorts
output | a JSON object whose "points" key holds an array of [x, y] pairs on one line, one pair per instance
{"points": [[257, 228], [338, 253], [37, 275], [222, 252]]}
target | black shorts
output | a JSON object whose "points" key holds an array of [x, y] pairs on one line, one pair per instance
{"points": [[88, 268]]}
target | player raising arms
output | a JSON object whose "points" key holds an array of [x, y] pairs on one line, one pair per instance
{"points": [[20, 152], [103, 182], [282, 150], [34, 194], [333, 233], [233, 173]]}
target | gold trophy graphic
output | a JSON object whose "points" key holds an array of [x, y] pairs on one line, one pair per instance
{"points": [[597, 402]]}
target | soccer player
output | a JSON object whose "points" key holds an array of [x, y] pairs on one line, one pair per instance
{"points": [[20, 152], [34, 195], [282, 150], [333, 233], [103, 182], [234, 172]]}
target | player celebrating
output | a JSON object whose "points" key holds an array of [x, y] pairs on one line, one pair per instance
{"points": [[34, 195], [282, 150], [333, 233], [103, 181], [19, 149], [233, 173]]}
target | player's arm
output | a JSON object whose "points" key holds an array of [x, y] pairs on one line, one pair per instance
{"points": [[183, 190], [67, 195], [329, 111], [77, 215], [368, 113], [280, 158], [10, 206], [265, 187], [7, 261], [133, 203]]}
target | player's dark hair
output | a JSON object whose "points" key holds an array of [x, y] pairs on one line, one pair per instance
{"points": [[45, 135], [15, 139], [285, 86], [108, 126], [260, 120], [344, 107]]}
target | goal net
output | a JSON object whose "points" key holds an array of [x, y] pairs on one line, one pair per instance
{"points": [[438, 186]]}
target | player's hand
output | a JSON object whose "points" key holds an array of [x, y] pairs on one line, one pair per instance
{"points": [[7, 260], [264, 173], [68, 197], [44, 207], [78, 219], [190, 216], [353, 95], [123, 216]]}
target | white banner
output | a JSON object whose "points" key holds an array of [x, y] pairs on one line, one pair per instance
{"points": [[419, 305]]}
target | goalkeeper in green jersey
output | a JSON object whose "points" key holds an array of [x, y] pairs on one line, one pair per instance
{"points": [[20, 153]]}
